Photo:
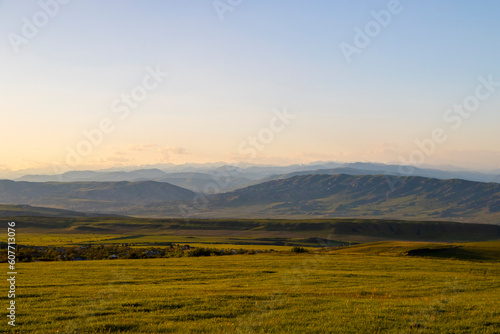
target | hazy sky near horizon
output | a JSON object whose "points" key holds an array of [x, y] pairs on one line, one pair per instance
{"points": [[358, 89]]}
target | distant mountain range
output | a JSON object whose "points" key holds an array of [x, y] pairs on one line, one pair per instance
{"points": [[356, 190], [193, 181], [360, 168], [229, 177]]}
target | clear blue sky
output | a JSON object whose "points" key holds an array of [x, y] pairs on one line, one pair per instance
{"points": [[227, 76]]}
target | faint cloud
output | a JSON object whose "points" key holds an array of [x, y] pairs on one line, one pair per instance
{"points": [[120, 153], [143, 147], [168, 152], [177, 150], [390, 145], [118, 159]]}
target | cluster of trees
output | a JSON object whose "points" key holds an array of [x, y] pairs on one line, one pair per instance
{"points": [[123, 251], [298, 249]]}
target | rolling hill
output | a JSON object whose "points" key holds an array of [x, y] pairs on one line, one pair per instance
{"points": [[7, 210], [478, 251], [312, 232], [302, 196], [110, 197], [362, 196]]}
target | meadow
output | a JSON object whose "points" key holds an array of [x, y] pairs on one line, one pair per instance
{"points": [[323, 291], [158, 240], [432, 277], [41, 231]]}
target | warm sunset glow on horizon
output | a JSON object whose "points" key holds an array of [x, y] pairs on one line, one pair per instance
{"points": [[125, 83]]}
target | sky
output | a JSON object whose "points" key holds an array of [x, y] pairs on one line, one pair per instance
{"points": [[87, 84]]}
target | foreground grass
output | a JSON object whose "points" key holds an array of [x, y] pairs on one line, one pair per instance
{"points": [[280, 293]]}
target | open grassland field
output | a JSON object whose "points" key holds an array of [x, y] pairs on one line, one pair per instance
{"points": [[315, 292], [158, 240], [44, 231], [430, 277], [60, 239]]}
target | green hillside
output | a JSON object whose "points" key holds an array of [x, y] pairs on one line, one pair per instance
{"points": [[8, 210], [302, 196], [111, 197], [362, 196], [481, 251], [310, 232]]}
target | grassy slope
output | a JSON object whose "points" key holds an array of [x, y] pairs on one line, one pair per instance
{"points": [[322, 293], [9, 210], [485, 251], [362, 196], [305, 196], [90, 196], [258, 231]]}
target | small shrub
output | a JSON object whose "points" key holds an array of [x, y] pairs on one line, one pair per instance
{"points": [[298, 249]]}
